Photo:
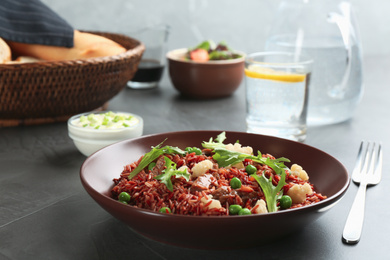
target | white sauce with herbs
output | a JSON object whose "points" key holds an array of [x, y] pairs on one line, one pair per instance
{"points": [[108, 120]]}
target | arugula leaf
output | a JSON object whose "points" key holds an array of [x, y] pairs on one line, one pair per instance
{"points": [[153, 155], [271, 192], [276, 164], [206, 45], [219, 55], [169, 172], [148, 158], [171, 150], [226, 157], [218, 142]]}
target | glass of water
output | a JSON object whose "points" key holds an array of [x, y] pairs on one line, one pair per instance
{"points": [[277, 87], [328, 32]]}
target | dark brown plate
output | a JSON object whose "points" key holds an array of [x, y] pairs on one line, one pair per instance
{"points": [[327, 174]]}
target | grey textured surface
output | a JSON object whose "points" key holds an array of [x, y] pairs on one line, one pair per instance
{"points": [[46, 214]]}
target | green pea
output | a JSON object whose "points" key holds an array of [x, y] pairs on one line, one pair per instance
{"points": [[285, 202], [235, 183], [151, 166], [234, 209], [165, 210], [124, 197], [244, 211], [250, 169], [196, 150]]}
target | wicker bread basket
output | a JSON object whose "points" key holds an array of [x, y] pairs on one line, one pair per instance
{"points": [[45, 92]]}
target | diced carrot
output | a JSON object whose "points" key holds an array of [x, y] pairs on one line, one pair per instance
{"points": [[246, 188], [254, 208]]}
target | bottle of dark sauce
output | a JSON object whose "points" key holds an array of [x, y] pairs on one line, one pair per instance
{"points": [[148, 71]]}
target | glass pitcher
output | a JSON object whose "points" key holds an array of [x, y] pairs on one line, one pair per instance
{"points": [[325, 30]]}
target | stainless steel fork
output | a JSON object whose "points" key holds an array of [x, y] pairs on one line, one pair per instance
{"points": [[367, 171]]}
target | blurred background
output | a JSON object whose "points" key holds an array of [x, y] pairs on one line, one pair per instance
{"points": [[242, 24]]}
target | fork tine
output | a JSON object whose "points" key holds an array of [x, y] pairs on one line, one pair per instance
{"points": [[367, 159], [358, 165], [379, 163], [373, 161]]}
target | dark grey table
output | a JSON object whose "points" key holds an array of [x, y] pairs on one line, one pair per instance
{"points": [[46, 214]]}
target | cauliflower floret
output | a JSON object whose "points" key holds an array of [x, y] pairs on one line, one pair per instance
{"points": [[214, 203], [239, 165], [298, 171], [182, 168], [238, 148], [262, 208], [201, 168], [298, 192]]}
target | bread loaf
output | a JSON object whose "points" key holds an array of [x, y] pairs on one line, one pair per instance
{"points": [[86, 45], [23, 59], [5, 52]]}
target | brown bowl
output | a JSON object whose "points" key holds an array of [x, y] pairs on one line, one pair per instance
{"points": [[50, 91], [204, 80], [327, 174]]}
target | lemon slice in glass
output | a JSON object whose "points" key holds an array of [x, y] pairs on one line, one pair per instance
{"points": [[266, 73]]}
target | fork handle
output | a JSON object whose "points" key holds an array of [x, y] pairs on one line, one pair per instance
{"points": [[353, 226]]}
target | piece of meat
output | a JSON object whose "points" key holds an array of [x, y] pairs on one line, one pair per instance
{"points": [[207, 152], [247, 195], [203, 182], [160, 165], [223, 194]]}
